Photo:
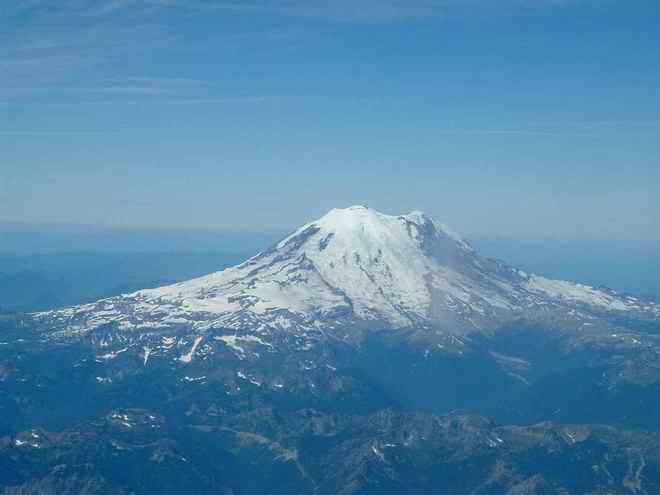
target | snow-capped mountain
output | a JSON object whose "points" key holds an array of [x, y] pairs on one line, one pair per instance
{"points": [[300, 358], [355, 268]]}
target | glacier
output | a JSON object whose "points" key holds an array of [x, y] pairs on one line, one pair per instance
{"points": [[354, 268]]}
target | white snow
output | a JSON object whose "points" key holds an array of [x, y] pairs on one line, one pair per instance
{"points": [[191, 379], [111, 355], [147, 353], [353, 264], [187, 358], [122, 419], [378, 453], [577, 293], [233, 341]]}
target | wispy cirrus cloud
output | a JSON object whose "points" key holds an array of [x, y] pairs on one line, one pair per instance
{"points": [[67, 46], [49, 52], [338, 10], [369, 11], [69, 50], [100, 51]]}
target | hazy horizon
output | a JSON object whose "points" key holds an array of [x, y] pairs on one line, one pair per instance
{"points": [[155, 257]]}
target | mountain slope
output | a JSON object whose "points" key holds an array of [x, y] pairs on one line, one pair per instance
{"points": [[356, 268], [349, 358]]}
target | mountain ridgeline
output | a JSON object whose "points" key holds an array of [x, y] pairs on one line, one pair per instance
{"points": [[362, 354]]}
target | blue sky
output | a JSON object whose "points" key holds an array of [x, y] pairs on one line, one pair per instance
{"points": [[504, 118]]}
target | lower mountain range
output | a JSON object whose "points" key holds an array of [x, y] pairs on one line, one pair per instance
{"points": [[362, 354]]}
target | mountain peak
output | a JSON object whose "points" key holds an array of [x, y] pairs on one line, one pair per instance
{"points": [[354, 208], [364, 222], [362, 231]]}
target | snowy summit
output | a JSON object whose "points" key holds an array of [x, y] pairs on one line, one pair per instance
{"points": [[354, 268]]}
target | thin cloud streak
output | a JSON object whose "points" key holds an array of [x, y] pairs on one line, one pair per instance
{"points": [[71, 41], [367, 11], [251, 100], [118, 86], [370, 11], [526, 132]]}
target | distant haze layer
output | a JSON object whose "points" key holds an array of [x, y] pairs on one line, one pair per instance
{"points": [[73, 265]]}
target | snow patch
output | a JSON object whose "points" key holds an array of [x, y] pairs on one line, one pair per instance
{"points": [[110, 355], [187, 358], [576, 293], [147, 353]]}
